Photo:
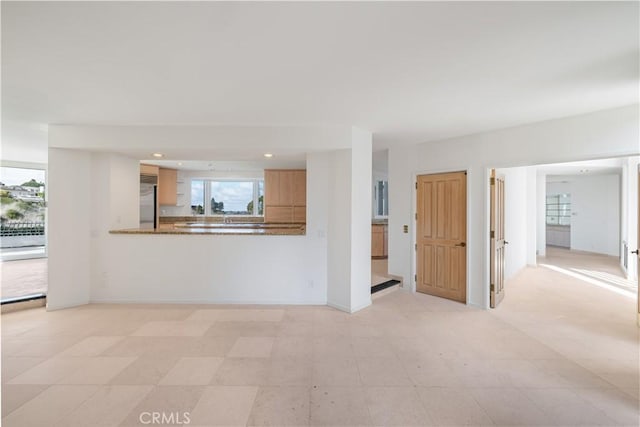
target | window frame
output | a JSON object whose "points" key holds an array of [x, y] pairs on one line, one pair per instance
{"points": [[207, 195], [376, 182]]}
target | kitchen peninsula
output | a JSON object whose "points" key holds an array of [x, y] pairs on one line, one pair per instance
{"points": [[204, 228]]}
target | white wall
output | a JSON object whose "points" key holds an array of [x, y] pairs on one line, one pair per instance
{"points": [[87, 264], [595, 211], [339, 230], [349, 286], [68, 228], [604, 134], [541, 223], [516, 219], [532, 215], [360, 219]]}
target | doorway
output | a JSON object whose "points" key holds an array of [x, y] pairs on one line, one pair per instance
{"points": [[23, 232], [441, 233], [578, 219]]}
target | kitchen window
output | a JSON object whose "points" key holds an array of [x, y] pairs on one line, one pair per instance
{"points": [[381, 199], [227, 197]]}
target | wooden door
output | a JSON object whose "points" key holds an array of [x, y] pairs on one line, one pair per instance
{"points": [[441, 234], [497, 240]]}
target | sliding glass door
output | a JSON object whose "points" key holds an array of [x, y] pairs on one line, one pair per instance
{"points": [[23, 242]]}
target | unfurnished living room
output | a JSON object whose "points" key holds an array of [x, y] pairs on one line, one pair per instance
{"points": [[320, 213]]}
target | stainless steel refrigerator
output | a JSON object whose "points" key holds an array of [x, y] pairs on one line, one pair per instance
{"points": [[148, 201]]}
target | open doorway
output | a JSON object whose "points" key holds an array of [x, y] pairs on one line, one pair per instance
{"points": [[380, 277], [23, 247], [577, 219]]}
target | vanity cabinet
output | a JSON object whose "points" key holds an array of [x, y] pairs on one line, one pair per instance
{"points": [[285, 195]]}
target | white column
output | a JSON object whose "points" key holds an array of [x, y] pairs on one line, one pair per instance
{"points": [[69, 222], [532, 209], [349, 225], [361, 166], [541, 228]]}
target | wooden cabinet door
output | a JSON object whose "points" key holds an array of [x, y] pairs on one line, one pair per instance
{"points": [[271, 188], [377, 241], [149, 170], [285, 187], [278, 214], [285, 195], [300, 214], [385, 241], [300, 188], [168, 186]]}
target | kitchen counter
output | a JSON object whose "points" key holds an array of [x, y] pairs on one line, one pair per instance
{"points": [[259, 229]]}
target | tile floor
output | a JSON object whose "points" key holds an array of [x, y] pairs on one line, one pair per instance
{"points": [[379, 271], [23, 277], [557, 352]]}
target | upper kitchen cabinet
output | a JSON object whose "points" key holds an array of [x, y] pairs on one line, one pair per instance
{"points": [[149, 170], [285, 195], [168, 186]]}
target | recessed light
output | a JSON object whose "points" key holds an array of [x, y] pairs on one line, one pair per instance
{"points": [[158, 155], [268, 155], [179, 163]]}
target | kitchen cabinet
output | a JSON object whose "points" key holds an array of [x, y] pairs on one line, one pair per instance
{"points": [[285, 195], [379, 239], [149, 170], [168, 186]]}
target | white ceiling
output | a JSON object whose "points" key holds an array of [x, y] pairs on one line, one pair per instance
{"points": [[409, 72]]}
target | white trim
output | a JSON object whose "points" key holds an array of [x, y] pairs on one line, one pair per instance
{"points": [[338, 306], [360, 307]]}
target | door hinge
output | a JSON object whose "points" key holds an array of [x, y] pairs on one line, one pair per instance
{"points": [[415, 277], [416, 185], [493, 287], [492, 234], [416, 247], [416, 216], [492, 181]]}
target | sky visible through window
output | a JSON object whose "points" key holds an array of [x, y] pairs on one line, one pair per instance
{"points": [[197, 193], [18, 176], [235, 195]]}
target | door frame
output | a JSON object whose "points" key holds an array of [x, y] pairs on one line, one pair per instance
{"points": [[413, 227]]}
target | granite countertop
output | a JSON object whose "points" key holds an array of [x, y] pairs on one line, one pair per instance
{"points": [[220, 229]]}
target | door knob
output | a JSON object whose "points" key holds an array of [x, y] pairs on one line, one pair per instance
{"points": [[506, 243], [635, 252], [461, 244]]}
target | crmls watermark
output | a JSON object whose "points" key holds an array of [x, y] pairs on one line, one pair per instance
{"points": [[159, 418]]}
